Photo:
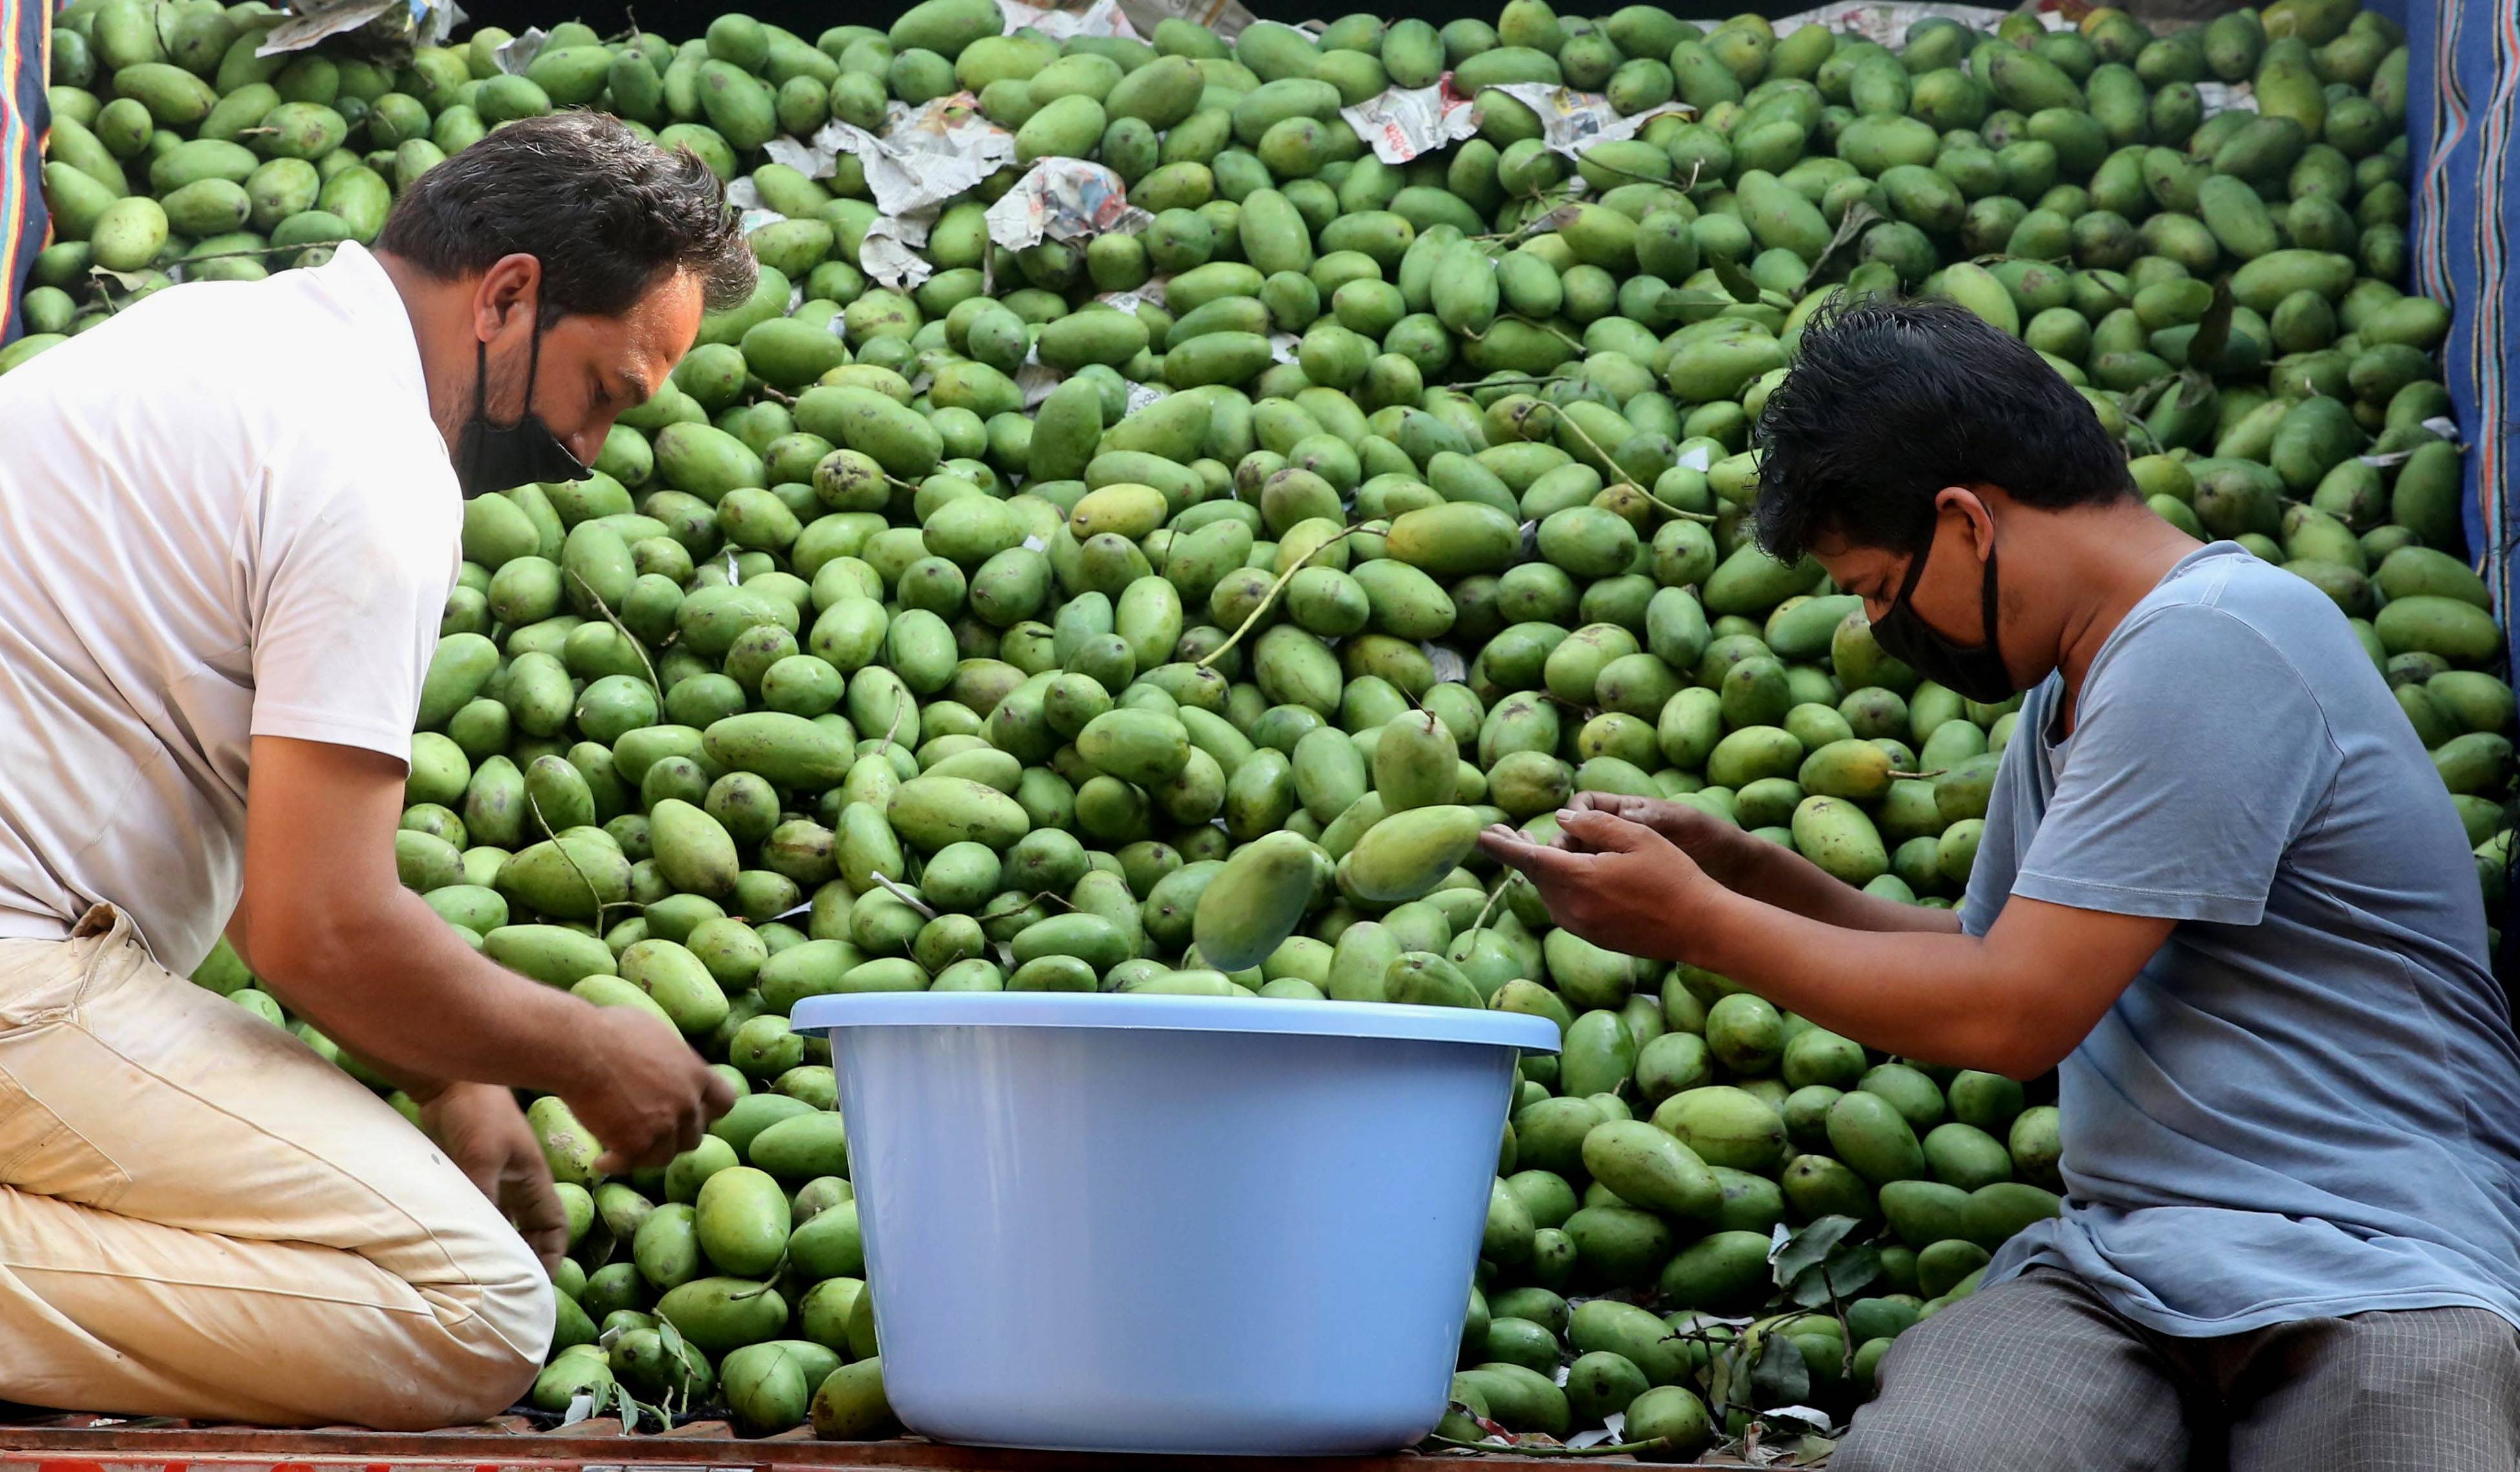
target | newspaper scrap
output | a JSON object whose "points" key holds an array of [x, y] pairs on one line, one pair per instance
{"points": [[515, 55], [751, 212], [1060, 22], [1140, 395], [1283, 345], [1405, 121], [322, 23], [1036, 379], [2223, 97], [1125, 301], [886, 251], [1887, 22], [1449, 668], [804, 158], [928, 155], [1227, 18], [1064, 200], [1571, 121]]}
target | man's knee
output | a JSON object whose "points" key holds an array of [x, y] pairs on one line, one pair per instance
{"points": [[1907, 1433], [482, 1348]]}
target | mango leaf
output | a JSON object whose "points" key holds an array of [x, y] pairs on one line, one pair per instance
{"points": [[1729, 1379], [2213, 330], [1848, 1267], [1780, 1374], [1738, 282], [1808, 1248]]}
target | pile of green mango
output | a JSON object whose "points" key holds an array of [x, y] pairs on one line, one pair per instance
{"points": [[1166, 610]]}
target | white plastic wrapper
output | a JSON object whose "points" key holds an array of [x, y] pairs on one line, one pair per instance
{"points": [[1886, 21], [2223, 97], [1100, 17], [514, 56], [928, 155], [1064, 200], [1571, 121], [1283, 345], [1405, 121]]}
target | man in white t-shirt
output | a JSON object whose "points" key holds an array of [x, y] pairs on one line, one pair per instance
{"points": [[228, 526]]}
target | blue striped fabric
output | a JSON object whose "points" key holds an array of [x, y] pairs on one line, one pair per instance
{"points": [[2464, 92], [26, 55]]}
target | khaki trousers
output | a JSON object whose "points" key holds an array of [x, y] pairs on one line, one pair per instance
{"points": [[199, 1217]]}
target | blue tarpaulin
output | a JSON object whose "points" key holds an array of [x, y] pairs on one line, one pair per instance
{"points": [[24, 55], [2463, 91]]}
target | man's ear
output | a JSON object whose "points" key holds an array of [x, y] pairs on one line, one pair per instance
{"points": [[1970, 502], [509, 293]]}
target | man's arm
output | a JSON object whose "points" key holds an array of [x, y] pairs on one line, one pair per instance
{"points": [[329, 927], [1767, 872], [2013, 1002]]}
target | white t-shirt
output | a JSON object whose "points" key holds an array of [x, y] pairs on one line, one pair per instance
{"points": [[225, 513]]}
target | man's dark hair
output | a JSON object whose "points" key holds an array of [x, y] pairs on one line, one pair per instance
{"points": [[604, 210], [1890, 401]]}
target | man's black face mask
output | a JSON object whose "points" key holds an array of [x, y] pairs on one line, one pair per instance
{"points": [[1974, 672], [491, 457]]}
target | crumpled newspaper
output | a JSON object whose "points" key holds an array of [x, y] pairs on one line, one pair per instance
{"points": [[1098, 18], [928, 155], [1886, 21], [1571, 121], [751, 213], [1064, 200], [1404, 122], [513, 55], [1227, 18], [1036, 379], [887, 253], [309, 22]]}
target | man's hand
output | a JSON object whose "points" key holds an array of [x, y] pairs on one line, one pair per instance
{"points": [[327, 925], [482, 1131], [1714, 845], [648, 1096], [1617, 883]]}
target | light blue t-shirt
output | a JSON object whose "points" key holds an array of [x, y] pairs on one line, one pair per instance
{"points": [[2308, 1102]]}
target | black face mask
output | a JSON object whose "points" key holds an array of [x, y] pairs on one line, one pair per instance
{"points": [[1973, 672], [492, 456]]}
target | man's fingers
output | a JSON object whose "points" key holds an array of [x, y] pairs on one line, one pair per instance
{"points": [[1606, 833], [1537, 860], [1619, 803], [534, 1204]]}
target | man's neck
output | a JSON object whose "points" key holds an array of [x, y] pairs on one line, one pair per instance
{"points": [[2112, 562], [427, 302]]}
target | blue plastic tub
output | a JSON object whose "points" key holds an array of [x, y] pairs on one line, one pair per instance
{"points": [[1169, 1224]]}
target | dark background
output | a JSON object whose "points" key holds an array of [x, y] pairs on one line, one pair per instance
{"points": [[679, 19]]}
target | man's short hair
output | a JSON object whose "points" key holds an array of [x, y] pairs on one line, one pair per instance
{"points": [[605, 210], [1888, 402]]}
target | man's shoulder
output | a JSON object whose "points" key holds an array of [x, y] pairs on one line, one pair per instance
{"points": [[2224, 603]]}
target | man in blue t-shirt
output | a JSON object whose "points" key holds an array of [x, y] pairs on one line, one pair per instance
{"points": [[2222, 891]]}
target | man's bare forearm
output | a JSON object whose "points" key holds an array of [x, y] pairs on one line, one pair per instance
{"points": [[1776, 875], [393, 984], [1920, 993]]}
